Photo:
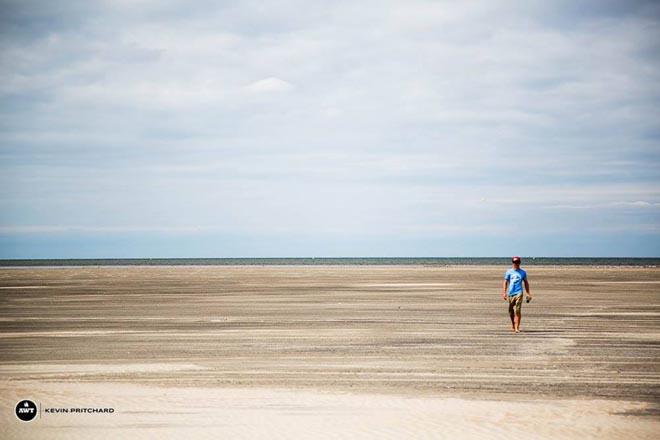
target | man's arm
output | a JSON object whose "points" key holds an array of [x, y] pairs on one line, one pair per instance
{"points": [[529, 294], [505, 285]]}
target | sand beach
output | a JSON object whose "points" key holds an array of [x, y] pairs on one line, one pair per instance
{"points": [[329, 352]]}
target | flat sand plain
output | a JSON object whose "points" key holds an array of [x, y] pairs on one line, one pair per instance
{"points": [[330, 351]]}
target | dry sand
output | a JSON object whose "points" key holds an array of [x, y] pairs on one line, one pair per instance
{"points": [[335, 351]]}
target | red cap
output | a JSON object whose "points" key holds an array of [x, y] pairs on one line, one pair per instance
{"points": [[515, 259]]}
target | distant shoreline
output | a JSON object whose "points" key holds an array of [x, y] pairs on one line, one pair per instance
{"points": [[351, 261]]}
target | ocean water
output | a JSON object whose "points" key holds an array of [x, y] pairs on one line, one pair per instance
{"points": [[381, 261]]}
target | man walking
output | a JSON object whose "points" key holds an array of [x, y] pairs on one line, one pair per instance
{"points": [[512, 289]]}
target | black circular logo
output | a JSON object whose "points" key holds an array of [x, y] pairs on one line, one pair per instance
{"points": [[26, 410]]}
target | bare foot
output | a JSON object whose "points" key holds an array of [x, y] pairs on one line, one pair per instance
{"points": [[517, 330]]}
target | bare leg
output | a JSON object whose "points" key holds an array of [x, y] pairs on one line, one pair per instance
{"points": [[516, 324], [512, 315]]}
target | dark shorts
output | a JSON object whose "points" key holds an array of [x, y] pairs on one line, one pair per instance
{"points": [[516, 302]]}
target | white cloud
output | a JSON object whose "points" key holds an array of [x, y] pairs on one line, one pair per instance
{"points": [[268, 85], [290, 116], [54, 229]]}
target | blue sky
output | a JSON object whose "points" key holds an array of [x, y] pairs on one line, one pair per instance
{"points": [[297, 128]]}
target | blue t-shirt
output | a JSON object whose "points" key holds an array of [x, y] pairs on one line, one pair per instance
{"points": [[515, 279]]}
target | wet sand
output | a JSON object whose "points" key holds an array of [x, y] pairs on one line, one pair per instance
{"points": [[372, 351]]}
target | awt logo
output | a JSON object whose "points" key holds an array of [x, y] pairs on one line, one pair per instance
{"points": [[26, 410]]}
